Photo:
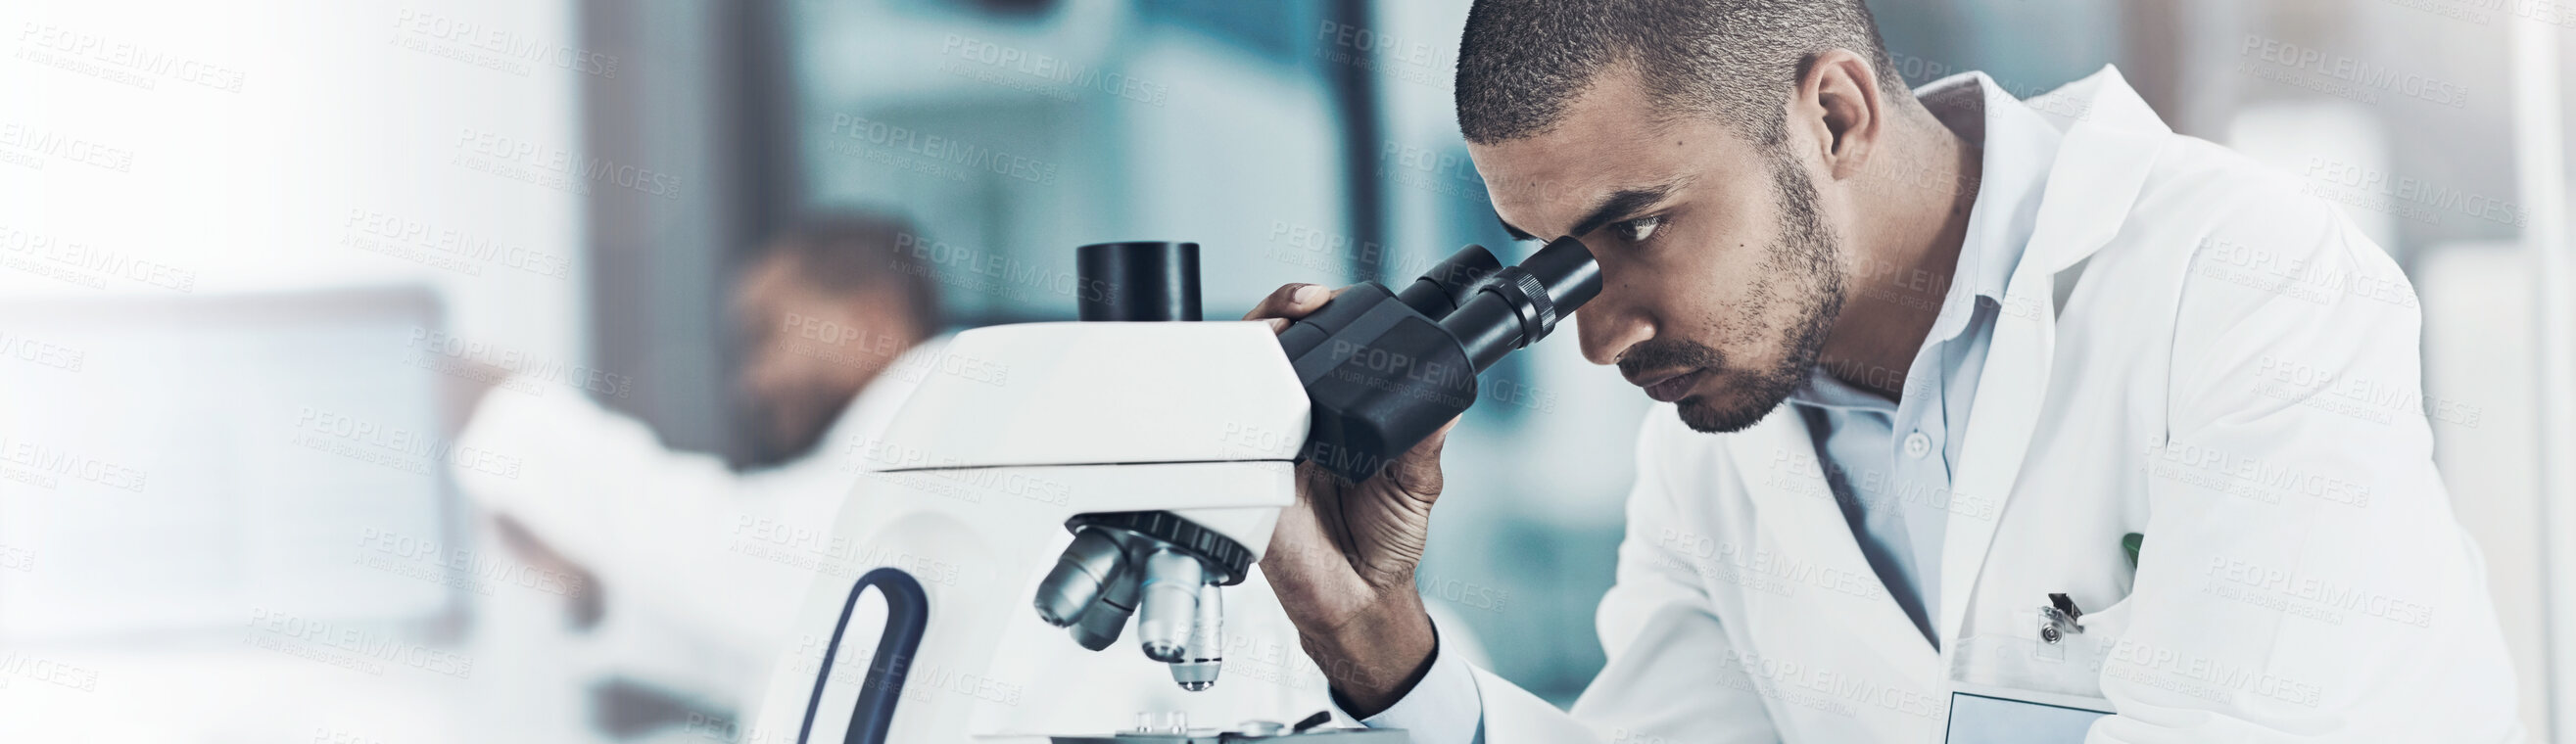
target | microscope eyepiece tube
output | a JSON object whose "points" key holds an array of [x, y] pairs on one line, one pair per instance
{"points": [[1204, 656], [1382, 371], [1081, 574], [1521, 304], [1450, 283], [1169, 605]]}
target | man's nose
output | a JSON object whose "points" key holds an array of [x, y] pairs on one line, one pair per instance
{"points": [[1607, 328]]}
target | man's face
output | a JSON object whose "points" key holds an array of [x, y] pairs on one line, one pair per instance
{"points": [[1719, 277], [807, 352]]}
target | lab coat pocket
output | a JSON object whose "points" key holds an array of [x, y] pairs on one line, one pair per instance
{"points": [[2025, 658], [2059, 694], [2021, 686]]}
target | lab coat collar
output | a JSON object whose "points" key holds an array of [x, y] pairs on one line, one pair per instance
{"points": [[2112, 141], [2017, 145], [2101, 164], [1825, 391], [2110, 115]]}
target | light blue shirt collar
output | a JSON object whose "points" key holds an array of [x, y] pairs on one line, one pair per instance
{"points": [[2019, 147]]}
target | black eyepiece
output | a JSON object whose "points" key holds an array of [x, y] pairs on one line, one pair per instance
{"points": [[1519, 305], [1384, 370]]}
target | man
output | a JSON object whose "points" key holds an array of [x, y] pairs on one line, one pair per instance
{"points": [[693, 566], [1980, 418]]}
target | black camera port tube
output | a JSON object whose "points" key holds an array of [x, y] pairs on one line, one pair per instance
{"points": [[1137, 280]]}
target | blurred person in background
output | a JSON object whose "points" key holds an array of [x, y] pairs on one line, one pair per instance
{"points": [[687, 565]]}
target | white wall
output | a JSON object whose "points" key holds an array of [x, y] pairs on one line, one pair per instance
{"points": [[230, 144], [190, 149]]}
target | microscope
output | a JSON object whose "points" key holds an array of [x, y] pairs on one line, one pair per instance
{"points": [[1164, 444]]}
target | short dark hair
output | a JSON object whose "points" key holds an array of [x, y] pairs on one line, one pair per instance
{"points": [[854, 251], [1521, 62]]}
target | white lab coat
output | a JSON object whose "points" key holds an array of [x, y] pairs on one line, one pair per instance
{"points": [[2190, 349], [700, 566]]}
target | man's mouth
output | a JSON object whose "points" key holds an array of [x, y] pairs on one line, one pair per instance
{"points": [[1671, 387]]}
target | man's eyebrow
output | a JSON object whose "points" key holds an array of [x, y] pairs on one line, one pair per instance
{"points": [[1620, 206]]}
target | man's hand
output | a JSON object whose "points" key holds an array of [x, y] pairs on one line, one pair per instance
{"points": [[1342, 558], [462, 392]]}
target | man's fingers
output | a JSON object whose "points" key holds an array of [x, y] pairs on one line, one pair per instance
{"points": [[1280, 303], [585, 603], [1290, 301], [522, 542]]}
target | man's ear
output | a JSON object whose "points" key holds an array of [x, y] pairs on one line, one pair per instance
{"points": [[1838, 98]]}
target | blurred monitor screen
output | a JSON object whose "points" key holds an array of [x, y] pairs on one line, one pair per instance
{"points": [[177, 465]]}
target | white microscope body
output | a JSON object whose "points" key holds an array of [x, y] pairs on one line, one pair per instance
{"points": [[975, 480], [1166, 447]]}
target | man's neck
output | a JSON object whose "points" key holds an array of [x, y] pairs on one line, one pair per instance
{"points": [[1904, 255]]}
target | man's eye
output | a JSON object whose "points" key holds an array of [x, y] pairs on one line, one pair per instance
{"points": [[1637, 230]]}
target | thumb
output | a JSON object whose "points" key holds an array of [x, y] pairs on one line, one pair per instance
{"points": [[1417, 471]]}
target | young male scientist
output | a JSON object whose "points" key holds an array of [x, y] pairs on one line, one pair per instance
{"points": [[1980, 419]]}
